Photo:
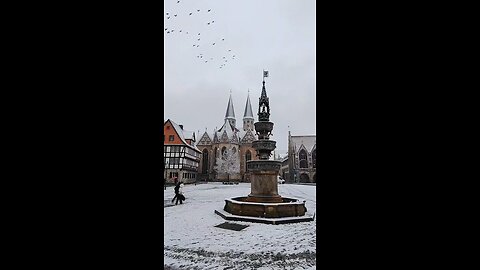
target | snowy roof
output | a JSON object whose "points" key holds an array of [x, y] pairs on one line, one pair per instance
{"points": [[247, 136], [230, 112], [309, 141], [241, 134], [189, 134], [248, 109], [180, 131], [205, 139], [228, 129]]}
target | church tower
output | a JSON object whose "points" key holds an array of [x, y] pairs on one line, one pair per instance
{"points": [[248, 116], [230, 114]]}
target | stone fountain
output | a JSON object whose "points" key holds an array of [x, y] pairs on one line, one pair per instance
{"points": [[264, 204]]}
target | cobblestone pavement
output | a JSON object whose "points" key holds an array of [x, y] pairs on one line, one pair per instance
{"points": [[241, 260]]}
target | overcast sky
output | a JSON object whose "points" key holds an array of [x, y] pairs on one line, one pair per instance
{"points": [[275, 35]]}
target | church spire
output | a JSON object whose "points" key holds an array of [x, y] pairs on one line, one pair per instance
{"points": [[248, 109], [248, 115], [230, 114]]}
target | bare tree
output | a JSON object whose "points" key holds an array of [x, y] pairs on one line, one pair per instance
{"points": [[228, 163]]}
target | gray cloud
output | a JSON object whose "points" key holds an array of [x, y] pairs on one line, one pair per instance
{"points": [[272, 34]]}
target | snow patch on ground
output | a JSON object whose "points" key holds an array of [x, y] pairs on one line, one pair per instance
{"points": [[192, 241]]}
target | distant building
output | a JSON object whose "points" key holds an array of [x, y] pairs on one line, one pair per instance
{"points": [[181, 156], [302, 158], [284, 173], [213, 144]]}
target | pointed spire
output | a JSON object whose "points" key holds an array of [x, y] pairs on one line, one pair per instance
{"points": [[230, 112], [248, 108], [264, 92], [263, 106]]}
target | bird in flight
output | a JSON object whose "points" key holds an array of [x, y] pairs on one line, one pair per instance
{"points": [[167, 13], [198, 10], [199, 34], [190, 13], [213, 43], [213, 21], [209, 10], [208, 23], [178, 2], [175, 15], [180, 31], [198, 39], [168, 32], [224, 57], [168, 18], [229, 50], [223, 39], [166, 29], [197, 46]]}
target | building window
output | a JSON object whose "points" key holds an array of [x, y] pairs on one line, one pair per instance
{"points": [[302, 156], [205, 161], [314, 158], [171, 138], [248, 156]]}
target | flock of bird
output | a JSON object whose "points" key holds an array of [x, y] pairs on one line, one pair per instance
{"points": [[219, 56]]}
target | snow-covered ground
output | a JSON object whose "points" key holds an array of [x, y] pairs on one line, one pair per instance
{"points": [[192, 241]]}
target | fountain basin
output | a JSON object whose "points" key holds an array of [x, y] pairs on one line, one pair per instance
{"points": [[289, 207]]}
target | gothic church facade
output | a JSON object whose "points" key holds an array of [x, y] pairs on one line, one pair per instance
{"points": [[213, 144]]}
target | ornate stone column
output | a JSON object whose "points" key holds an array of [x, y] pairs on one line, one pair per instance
{"points": [[264, 185]]}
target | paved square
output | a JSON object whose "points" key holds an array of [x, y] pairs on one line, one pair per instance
{"points": [[193, 242]]}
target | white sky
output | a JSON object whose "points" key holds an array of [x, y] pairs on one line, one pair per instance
{"points": [[276, 35]]}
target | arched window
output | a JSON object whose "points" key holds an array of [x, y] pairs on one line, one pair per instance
{"points": [[302, 156], [224, 149], [314, 158], [304, 178], [205, 161], [215, 156], [248, 156]]}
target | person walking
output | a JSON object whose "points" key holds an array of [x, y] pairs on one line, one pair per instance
{"points": [[176, 189], [180, 196]]}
